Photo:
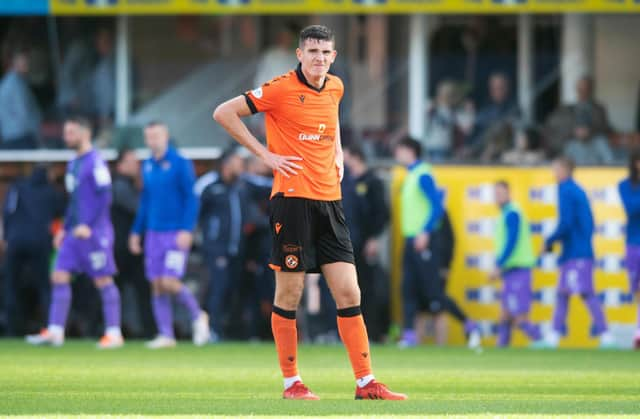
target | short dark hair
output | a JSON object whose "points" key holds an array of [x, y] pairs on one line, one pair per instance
{"points": [[122, 153], [81, 121], [317, 32], [566, 162], [411, 144], [356, 151], [154, 123], [503, 183], [634, 174]]}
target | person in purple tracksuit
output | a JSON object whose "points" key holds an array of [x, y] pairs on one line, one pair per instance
{"points": [[85, 245]]}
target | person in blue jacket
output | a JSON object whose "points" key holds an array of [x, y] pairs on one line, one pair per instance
{"points": [[629, 190], [575, 232], [167, 215]]}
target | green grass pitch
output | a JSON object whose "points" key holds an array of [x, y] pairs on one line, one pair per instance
{"points": [[244, 380]]}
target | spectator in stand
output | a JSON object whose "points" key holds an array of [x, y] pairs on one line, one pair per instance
{"points": [[30, 207], [74, 89], [527, 150], [586, 147], [20, 115], [495, 118], [561, 123], [103, 80], [277, 59], [446, 124]]}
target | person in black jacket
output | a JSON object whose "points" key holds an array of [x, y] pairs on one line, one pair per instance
{"points": [[30, 207], [123, 212], [367, 216], [223, 214], [444, 238]]}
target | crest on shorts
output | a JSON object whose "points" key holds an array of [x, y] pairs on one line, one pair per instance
{"points": [[291, 261]]}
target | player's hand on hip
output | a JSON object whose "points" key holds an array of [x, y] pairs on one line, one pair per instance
{"points": [[340, 171], [82, 231], [184, 239], [134, 244], [421, 242], [283, 164], [57, 239]]}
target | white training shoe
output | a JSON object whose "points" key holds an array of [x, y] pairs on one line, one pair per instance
{"points": [[110, 341], [161, 342], [608, 341], [46, 338], [475, 339], [200, 329]]}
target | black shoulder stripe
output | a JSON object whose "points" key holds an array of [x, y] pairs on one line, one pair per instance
{"points": [[250, 103]]}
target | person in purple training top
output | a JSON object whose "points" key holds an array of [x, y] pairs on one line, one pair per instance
{"points": [[629, 190], [167, 215], [85, 245], [575, 232]]}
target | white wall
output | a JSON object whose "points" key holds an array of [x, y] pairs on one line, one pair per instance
{"points": [[617, 67]]}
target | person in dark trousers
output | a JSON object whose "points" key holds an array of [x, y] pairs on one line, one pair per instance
{"points": [[222, 218], [444, 238], [423, 289], [367, 217], [126, 196], [258, 182], [30, 207]]}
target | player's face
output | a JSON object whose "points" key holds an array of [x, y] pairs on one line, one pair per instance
{"points": [[73, 135], [501, 195], [236, 165], [404, 156], [316, 57], [559, 171], [157, 138], [130, 165]]}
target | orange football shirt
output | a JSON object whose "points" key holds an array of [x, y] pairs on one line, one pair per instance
{"points": [[301, 120]]}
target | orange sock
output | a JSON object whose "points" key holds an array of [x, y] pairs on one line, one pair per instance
{"points": [[285, 334], [353, 333]]}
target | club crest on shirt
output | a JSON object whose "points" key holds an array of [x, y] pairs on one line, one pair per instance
{"points": [[257, 92], [291, 261]]}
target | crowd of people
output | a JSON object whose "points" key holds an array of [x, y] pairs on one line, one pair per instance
{"points": [[471, 117], [497, 132]]}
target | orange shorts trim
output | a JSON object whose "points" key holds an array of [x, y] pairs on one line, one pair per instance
{"points": [[275, 267]]}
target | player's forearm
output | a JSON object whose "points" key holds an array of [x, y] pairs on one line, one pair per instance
{"points": [[231, 122]]}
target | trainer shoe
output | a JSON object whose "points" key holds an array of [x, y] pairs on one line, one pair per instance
{"points": [[474, 337], [46, 337], [110, 341], [409, 339], [161, 342], [608, 341], [636, 340], [377, 391], [200, 329], [299, 391]]}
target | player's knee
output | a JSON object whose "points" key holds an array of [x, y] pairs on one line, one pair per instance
{"points": [[60, 278], [347, 297], [103, 282], [156, 287], [171, 285], [288, 298]]}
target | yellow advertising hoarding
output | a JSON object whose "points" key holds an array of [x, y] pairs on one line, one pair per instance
{"points": [[109, 7], [469, 200]]}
